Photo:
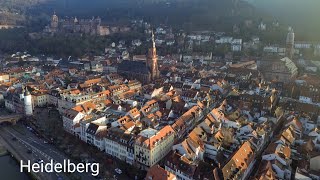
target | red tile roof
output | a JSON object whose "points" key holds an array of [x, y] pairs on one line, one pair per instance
{"points": [[158, 173], [150, 143]]}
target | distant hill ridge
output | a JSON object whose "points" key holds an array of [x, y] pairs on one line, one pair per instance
{"points": [[195, 14], [303, 15]]}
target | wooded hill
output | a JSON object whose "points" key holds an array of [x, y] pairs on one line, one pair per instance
{"points": [[190, 14]]}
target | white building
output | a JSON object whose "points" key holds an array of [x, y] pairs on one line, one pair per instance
{"points": [[41, 99], [262, 26], [236, 47], [71, 120], [302, 45], [120, 145], [96, 125], [224, 40], [270, 49], [28, 106]]}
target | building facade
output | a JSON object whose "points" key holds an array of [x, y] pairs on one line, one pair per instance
{"points": [[149, 150], [278, 69], [73, 25], [290, 43]]}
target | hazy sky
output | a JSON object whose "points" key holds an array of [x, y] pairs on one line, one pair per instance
{"points": [[303, 15]]}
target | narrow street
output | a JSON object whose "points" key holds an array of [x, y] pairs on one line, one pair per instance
{"points": [[259, 154]]}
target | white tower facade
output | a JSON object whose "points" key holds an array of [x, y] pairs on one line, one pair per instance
{"points": [[28, 103], [290, 43]]}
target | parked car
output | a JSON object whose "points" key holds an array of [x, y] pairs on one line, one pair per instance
{"points": [[40, 161], [118, 171]]}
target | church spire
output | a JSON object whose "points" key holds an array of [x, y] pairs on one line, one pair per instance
{"points": [[54, 20], [153, 59], [153, 41]]}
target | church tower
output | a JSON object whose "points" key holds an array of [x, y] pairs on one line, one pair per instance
{"points": [[28, 103], [290, 43], [152, 60], [54, 21]]}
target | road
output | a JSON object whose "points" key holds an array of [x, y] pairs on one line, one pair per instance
{"points": [[20, 147], [40, 149]]}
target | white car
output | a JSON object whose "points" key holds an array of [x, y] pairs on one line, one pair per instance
{"points": [[118, 171], [30, 128]]}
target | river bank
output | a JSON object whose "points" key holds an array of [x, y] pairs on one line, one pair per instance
{"points": [[10, 165], [16, 156], [9, 169], [3, 150]]}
